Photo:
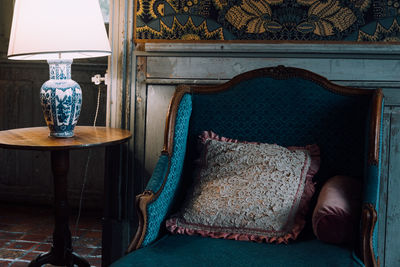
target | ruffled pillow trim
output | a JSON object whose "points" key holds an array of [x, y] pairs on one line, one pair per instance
{"points": [[299, 221]]}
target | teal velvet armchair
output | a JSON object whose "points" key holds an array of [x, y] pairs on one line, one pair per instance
{"points": [[282, 105]]}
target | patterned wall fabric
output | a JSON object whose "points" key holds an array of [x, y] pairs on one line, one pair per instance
{"points": [[270, 20]]}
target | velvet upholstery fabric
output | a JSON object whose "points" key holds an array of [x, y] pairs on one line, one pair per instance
{"points": [[158, 175], [292, 112], [182, 250], [337, 213], [158, 210]]}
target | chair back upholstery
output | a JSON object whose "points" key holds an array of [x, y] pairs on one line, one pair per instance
{"points": [[290, 107]]}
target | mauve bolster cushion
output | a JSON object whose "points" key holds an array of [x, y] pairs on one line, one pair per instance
{"points": [[337, 213]]}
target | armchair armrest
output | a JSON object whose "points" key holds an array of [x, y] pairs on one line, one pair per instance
{"points": [[369, 218], [154, 203], [369, 225], [157, 178]]}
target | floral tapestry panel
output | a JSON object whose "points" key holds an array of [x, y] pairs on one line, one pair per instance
{"points": [[268, 20]]}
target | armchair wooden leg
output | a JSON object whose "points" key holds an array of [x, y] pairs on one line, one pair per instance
{"points": [[369, 218]]}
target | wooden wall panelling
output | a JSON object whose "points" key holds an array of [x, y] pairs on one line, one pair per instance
{"points": [[140, 125], [392, 257], [6, 7], [158, 97], [390, 184], [384, 186], [121, 63], [225, 68], [25, 176], [120, 96]]}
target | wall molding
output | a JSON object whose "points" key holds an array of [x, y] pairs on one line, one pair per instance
{"points": [[286, 50]]}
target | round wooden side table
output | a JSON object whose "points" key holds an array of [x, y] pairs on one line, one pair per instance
{"points": [[37, 138]]}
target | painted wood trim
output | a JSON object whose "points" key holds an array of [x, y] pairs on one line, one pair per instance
{"points": [[367, 50], [384, 184], [134, 18], [203, 66], [138, 123], [261, 42], [120, 63], [283, 50], [369, 218], [375, 128], [390, 197], [113, 65]]}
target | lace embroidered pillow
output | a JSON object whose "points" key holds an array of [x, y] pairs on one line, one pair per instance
{"points": [[248, 191]]}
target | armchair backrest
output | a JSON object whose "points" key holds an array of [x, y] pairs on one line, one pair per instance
{"points": [[293, 107], [286, 106]]}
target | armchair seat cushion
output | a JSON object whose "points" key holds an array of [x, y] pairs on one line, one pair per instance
{"points": [[182, 250]]}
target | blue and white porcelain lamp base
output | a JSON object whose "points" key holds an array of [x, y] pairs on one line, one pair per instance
{"points": [[61, 99]]}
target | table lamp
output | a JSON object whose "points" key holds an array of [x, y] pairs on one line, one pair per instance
{"points": [[58, 31]]}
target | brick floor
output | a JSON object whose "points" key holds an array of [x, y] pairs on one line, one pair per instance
{"points": [[26, 231]]}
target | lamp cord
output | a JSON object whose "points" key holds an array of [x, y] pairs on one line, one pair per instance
{"points": [[97, 106], [86, 167]]}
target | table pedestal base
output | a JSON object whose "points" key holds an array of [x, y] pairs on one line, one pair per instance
{"points": [[70, 259], [61, 253]]}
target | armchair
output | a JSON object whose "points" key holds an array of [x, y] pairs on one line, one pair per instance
{"points": [[282, 105]]}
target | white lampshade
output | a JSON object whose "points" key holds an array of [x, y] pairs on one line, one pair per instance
{"points": [[57, 29]]}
